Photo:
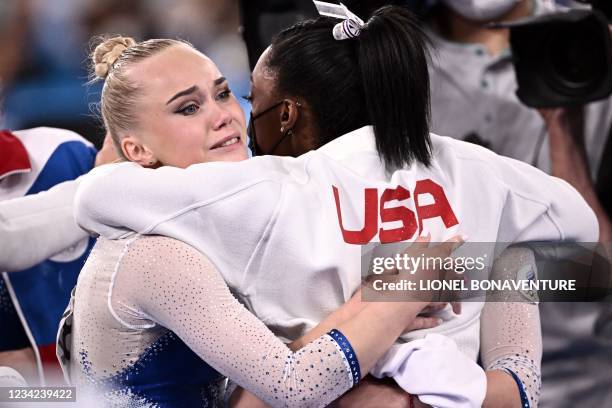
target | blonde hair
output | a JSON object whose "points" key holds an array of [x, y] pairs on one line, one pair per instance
{"points": [[111, 59]]}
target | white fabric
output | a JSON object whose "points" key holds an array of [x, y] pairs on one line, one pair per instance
{"points": [[434, 369], [40, 143], [271, 228], [45, 223], [349, 28], [10, 377]]}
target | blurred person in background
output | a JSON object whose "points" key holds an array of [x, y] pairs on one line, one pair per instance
{"points": [[45, 42], [45, 88], [36, 278], [32, 300], [473, 95], [473, 99], [13, 21]]}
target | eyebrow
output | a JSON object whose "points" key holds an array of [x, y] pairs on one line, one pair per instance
{"points": [[195, 88], [183, 93]]}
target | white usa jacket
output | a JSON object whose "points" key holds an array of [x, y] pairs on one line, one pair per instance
{"points": [[283, 231]]}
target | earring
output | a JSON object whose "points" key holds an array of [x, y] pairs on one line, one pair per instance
{"points": [[290, 133], [282, 129]]}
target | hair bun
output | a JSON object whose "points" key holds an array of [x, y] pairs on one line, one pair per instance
{"points": [[108, 52]]}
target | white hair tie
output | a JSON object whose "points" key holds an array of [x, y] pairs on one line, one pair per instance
{"points": [[349, 28]]}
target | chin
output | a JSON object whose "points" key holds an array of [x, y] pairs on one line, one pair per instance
{"points": [[232, 156]]}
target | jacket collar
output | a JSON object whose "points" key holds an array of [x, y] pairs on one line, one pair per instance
{"points": [[13, 155]]}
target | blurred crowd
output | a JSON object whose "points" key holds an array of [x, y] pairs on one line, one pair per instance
{"points": [[45, 44]]}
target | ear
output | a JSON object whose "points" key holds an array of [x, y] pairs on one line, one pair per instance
{"points": [[135, 151], [289, 114]]}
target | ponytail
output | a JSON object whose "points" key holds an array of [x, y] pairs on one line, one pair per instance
{"points": [[379, 78], [393, 63]]}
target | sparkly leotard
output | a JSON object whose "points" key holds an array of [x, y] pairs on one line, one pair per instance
{"points": [[154, 324]]}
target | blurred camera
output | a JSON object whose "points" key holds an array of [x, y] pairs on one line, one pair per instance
{"points": [[562, 59]]}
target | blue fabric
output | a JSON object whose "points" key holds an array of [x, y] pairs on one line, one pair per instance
{"points": [[521, 387], [168, 374], [69, 161], [349, 354], [43, 291]]}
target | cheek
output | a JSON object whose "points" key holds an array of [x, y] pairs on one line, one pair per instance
{"points": [[183, 142], [236, 155]]}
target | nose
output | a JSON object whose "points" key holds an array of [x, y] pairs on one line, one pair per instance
{"points": [[222, 117]]}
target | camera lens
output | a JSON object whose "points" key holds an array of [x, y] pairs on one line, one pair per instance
{"points": [[575, 65], [562, 59]]}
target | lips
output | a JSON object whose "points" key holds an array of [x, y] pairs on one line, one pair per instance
{"points": [[227, 141]]}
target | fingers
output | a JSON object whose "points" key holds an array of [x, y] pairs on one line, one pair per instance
{"points": [[451, 244], [434, 307], [421, 242], [420, 323]]}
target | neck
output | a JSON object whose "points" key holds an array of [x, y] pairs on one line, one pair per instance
{"points": [[457, 28]]}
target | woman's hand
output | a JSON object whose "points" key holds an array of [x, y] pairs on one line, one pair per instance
{"points": [[379, 287]]}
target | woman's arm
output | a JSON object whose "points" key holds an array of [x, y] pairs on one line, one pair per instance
{"points": [[511, 340], [374, 391], [44, 222], [351, 309], [177, 287], [377, 392]]}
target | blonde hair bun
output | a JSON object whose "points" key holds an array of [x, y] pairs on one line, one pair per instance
{"points": [[108, 52]]}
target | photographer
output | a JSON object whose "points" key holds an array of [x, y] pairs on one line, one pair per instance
{"points": [[473, 98], [473, 92]]}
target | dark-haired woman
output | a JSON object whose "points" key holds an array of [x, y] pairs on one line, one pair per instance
{"points": [[284, 232], [338, 93]]}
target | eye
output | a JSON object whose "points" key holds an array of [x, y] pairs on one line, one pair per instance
{"points": [[188, 110], [224, 95], [248, 98]]}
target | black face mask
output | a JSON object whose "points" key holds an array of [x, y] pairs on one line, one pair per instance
{"points": [[255, 149]]}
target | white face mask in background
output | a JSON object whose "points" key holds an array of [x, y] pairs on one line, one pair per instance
{"points": [[481, 10]]}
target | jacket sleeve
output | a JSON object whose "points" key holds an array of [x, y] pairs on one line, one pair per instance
{"points": [[118, 199], [540, 207], [36, 227]]}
